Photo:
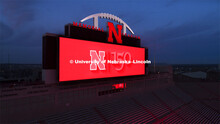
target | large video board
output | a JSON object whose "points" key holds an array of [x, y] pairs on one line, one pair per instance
{"points": [[82, 60]]}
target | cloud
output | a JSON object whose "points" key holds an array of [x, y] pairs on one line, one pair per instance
{"points": [[16, 28], [18, 12], [169, 32], [171, 2], [5, 31], [195, 42]]}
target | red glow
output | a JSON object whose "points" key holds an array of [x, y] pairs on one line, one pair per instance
{"points": [[74, 49], [119, 86]]}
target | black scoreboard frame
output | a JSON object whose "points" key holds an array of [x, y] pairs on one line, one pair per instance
{"points": [[50, 47]]}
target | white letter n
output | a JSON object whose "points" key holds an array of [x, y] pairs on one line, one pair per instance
{"points": [[97, 60]]}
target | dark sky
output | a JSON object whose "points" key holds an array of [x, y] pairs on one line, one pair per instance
{"points": [[175, 31]]}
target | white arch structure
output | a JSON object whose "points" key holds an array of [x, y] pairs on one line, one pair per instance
{"points": [[107, 16]]}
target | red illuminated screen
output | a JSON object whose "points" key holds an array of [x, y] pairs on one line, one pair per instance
{"points": [[74, 51]]}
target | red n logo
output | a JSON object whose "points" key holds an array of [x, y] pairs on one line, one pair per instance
{"points": [[113, 31]]}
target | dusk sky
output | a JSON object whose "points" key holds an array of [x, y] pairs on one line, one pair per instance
{"points": [[175, 31]]}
